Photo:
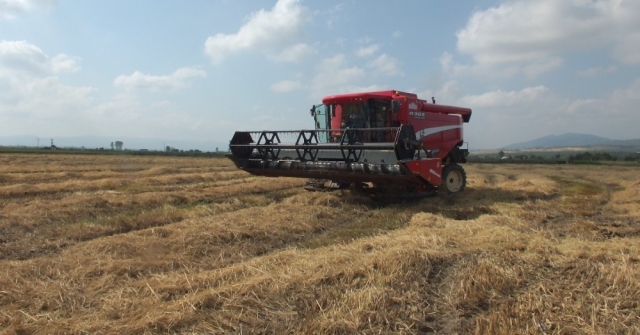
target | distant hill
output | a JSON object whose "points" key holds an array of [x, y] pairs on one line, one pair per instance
{"points": [[93, 142], [572, 140]]}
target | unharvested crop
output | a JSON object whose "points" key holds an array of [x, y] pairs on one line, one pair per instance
{"points": [[103, 244]]}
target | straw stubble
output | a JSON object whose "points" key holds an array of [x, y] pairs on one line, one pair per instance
{"points": [[100, 244]]}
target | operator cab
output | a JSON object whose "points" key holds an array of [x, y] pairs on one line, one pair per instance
{"points": [[369, 114]]}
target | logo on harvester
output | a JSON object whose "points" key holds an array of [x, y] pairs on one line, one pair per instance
{"points": [[413, 105], [434, 173], [417, 115]]}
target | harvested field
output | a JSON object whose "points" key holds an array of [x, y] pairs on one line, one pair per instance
{"points": [[131, 245]]}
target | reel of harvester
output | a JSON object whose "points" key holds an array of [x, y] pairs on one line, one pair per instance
{"points": [[333, 159]]}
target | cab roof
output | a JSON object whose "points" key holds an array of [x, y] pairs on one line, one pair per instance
{"points": [[364, 96]]}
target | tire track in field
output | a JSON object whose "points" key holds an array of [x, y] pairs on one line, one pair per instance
{"points": [[213, 242], [103, 181], [41, 176], [98, 217]]}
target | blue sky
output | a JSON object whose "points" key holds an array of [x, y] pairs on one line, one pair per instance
{"points": [[199, 70]]}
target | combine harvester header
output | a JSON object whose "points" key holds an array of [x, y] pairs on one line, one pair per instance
{"points": [[370, 140]]}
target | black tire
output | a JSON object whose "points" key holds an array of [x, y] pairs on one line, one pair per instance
{"points": [[454, 179]]}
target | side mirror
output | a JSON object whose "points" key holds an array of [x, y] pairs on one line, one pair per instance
{"points": [[395, 106], [313, 110]]}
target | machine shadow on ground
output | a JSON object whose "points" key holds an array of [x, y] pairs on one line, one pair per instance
{"points": [[467, 205]]}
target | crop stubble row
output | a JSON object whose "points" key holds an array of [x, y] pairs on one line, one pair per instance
{"points": [[520, 251]]}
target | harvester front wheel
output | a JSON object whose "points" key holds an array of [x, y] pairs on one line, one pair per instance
{"points": [[454, 179]]}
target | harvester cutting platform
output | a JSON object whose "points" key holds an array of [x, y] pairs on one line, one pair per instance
{"points": [[372, 140]]}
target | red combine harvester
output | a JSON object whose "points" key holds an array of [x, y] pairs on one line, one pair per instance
{"points": [[372, 140]]}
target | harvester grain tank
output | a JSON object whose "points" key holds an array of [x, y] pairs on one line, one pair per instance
{"points": [[369, 140]]}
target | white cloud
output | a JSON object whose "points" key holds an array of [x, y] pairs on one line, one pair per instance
{"points": [[21, 57], [397, 34], [341, 41], [447, 62], [596, 71], [295, 53], [627, 50], [123, 114], [503, 117], [447, 95], [506, 117], [45, 98], [333, 13], [30, 88], [174, 81], [628, 100], [11, 8], [368, 50], [385, 65], [286, 86], [531, 37], [33, 100], [266, 31], [536, 68], [64, 63], [585, 106], [501, 98], [335, 76]]}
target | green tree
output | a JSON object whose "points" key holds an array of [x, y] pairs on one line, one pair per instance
{"points": [[587, 156]]}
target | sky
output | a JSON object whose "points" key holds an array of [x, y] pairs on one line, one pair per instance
{"points": [[198, 70]]}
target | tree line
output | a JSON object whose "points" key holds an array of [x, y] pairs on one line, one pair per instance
{"points": [[601, 156]]}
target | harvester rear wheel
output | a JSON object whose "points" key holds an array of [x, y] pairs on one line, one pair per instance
{"points": [[454, 179]]}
